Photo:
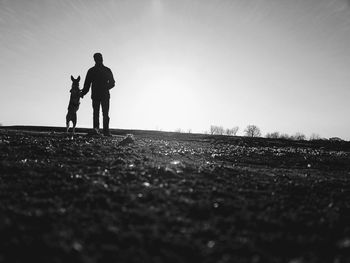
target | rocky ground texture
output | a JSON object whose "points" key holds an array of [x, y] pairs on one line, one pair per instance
{"points": [[170, 197]]}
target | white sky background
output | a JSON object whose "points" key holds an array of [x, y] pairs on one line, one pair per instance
{"points": [[283, 65]]}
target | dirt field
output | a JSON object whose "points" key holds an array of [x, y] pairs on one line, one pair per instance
{"points": [[169, 197]]}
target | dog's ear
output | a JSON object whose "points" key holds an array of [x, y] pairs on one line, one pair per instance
{"points": [[78, 79], [71, 77]]}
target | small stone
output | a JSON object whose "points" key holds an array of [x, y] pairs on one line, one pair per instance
{"points": [[77, 246], [296, 260], [211, 244], [128, 139], [344, 243], [62, 210], [146, 184]]}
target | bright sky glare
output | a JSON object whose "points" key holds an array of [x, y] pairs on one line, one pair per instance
{"points": [[282, 65]]}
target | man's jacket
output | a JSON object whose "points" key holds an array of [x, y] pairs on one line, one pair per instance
{"points": [[101, 80]]}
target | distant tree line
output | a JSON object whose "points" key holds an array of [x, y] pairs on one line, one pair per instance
{"points": [[299, 137], [179, 130], [219, 130], [276, 135], [250, 131], [254, 131]]}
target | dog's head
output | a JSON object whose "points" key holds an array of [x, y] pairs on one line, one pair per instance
{"points": [[75, 83]]}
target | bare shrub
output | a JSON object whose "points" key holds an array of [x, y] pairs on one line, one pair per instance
{"points": [[314, 137], [298, 136], [232, 132], [213, 129], [285, 136], [252, 131], [220, 130], [178, 130], [272, 135], [216, 130]]}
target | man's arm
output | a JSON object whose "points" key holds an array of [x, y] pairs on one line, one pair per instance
{"points": [[111, 82], [87, 83]]}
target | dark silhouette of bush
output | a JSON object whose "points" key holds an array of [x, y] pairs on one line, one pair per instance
{"points": [[315, 137], [232, 132], [252, 131], [219, 130], [216, 130], [273, 135], [298, 136]]}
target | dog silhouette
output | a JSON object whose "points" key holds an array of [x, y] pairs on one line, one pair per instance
{"points": [[74, 103]]}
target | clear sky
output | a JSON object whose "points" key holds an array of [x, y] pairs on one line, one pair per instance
{"points": [[283, 65]]}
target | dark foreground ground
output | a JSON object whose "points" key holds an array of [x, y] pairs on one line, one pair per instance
{"points": [[167, 197]]}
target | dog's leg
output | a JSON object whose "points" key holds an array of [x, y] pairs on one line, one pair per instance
{"points": [[67, 124], [74, 120]]}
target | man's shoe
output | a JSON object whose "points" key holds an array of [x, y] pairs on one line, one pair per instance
{"points": [[96, 131]]}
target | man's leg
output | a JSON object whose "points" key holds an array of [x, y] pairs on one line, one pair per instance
{"points": [[96, 113], [105, 112]]}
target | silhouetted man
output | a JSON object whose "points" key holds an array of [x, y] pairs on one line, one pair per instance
{"points": [[101, 80]]}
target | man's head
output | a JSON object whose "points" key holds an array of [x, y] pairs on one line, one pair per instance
{"points": [[98, 58]]}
